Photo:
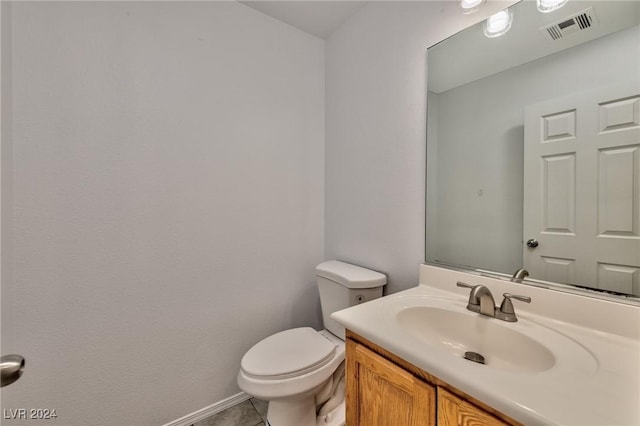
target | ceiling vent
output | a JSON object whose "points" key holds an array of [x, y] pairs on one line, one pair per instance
{"points": [[571, 25]]}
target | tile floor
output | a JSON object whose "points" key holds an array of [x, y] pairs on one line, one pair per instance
{"points": [[252, 412]]}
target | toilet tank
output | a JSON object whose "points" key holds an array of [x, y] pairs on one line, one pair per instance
{"points": [[342, 285]]}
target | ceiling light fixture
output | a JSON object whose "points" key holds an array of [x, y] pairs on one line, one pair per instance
{"points": [[546, 6], [470, 6], [498, 24]]}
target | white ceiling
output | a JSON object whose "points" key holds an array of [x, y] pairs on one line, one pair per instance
{"points": [[469, 55], [319, 18]]}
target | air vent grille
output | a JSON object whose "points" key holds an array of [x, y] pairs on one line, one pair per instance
{"points": [[570, 25], [584, 21], [554, 33]]}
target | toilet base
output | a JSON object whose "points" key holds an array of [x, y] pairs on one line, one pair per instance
{"points": [[302, 412], [336, 417], [292, 412]]}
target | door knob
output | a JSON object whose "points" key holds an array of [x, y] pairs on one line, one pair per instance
{"points": [[532, 243], [11, 368]]}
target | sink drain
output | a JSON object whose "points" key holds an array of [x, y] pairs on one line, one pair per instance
{"points": [[474, 356]]}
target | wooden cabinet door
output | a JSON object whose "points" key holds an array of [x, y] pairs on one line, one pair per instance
{"points": [[379, 393], [453, 411]]}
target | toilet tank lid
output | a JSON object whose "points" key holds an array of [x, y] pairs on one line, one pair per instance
{"points": [[350, 276]]}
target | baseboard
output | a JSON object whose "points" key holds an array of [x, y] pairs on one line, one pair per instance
{"points": [[210, 410]]}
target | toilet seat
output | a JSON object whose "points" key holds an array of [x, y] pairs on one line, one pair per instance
{"points": [[288, 354]]}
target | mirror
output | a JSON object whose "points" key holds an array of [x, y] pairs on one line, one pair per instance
{"points": [[533, 149]]}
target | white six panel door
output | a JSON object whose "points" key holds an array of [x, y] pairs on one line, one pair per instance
{"points": [[582, 189]]}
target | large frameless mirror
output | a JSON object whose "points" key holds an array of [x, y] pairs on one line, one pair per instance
{"points": [[533, 148]]}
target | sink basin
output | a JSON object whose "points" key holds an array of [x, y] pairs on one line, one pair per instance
{"points": [[501, 346], [443, 326]]}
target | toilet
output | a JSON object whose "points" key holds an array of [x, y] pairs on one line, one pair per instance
{"points": [[300, 371]]}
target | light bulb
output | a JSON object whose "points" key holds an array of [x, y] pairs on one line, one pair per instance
{"points": [[498, 24], [470, 6], [546, 6]]}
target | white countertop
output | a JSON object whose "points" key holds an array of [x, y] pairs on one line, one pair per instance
{"points": [[600, 385]]}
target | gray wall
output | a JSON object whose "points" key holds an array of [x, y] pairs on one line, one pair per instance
{"points": [[167, 202], [480, 142], [376, 131]]}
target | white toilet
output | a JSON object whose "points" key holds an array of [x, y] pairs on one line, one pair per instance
{"points": [[301, 371]]}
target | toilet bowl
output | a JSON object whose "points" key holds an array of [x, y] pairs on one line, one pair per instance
{"points": [[290, 369], [300, 371]]}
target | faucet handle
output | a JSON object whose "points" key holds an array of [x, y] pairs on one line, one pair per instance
{"points": [[506, 311], [508, 296], [473, 304], [465, 285]]}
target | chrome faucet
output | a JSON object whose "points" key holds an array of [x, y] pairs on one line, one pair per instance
{"points": [[482, 296], [481, 301], [520, 275]]}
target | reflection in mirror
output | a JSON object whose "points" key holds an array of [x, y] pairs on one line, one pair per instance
{"points": [[533, 147]]}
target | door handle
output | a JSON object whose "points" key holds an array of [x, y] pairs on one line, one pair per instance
{"points": [[532, 243], [11, 368]]}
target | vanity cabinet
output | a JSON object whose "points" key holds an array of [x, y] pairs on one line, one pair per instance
{"points": [[384, 390], [453, 411], [380, 393]]}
